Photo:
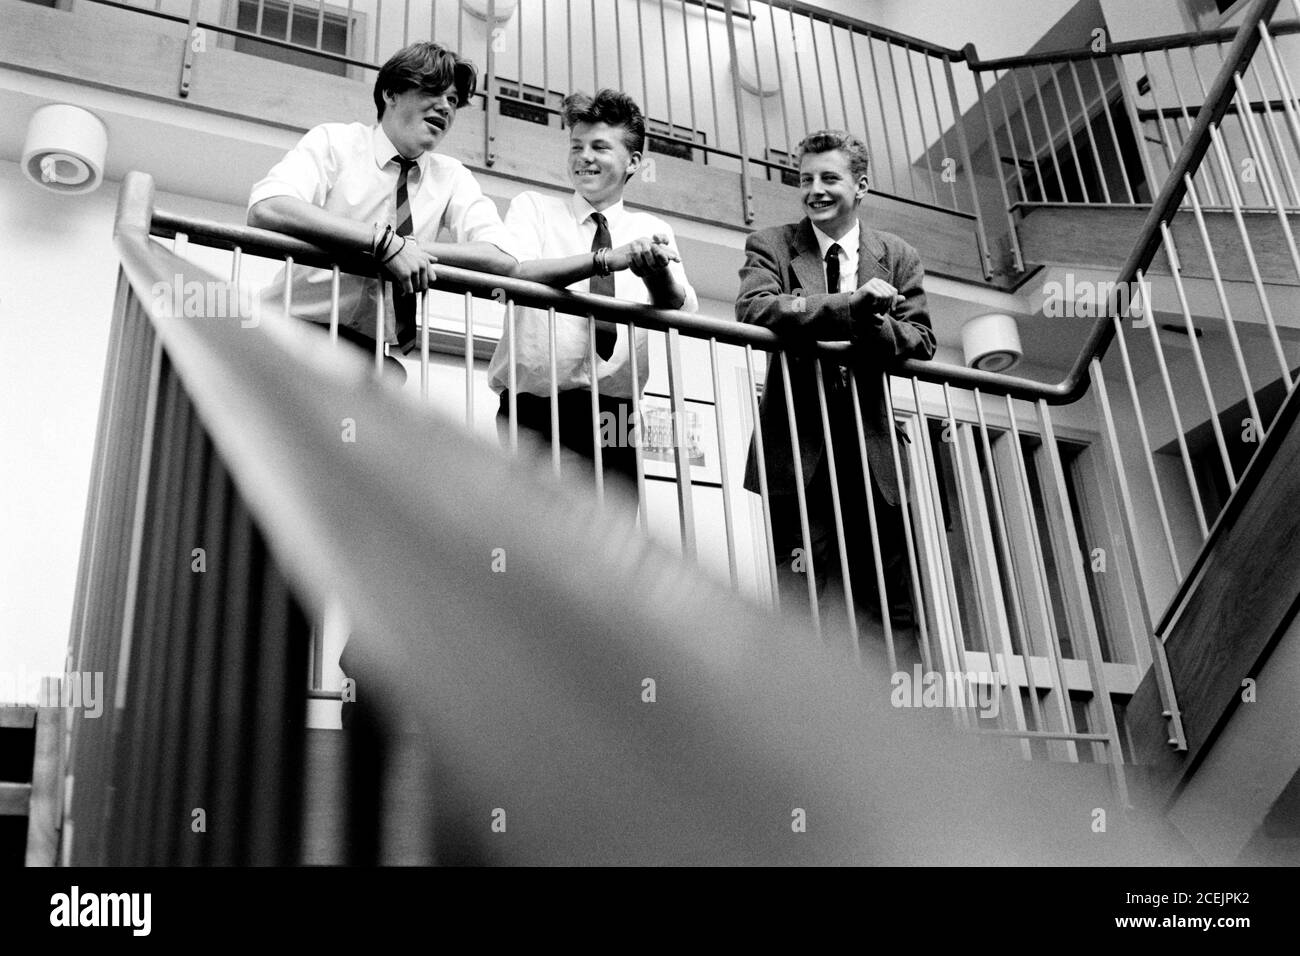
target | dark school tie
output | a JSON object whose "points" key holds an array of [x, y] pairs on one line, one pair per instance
{"points": [[833, 268], [602, 285], [404, 305]]}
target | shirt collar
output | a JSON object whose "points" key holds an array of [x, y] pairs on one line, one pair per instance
{"points": [[849, 242], [583, 209], [383, 150]]}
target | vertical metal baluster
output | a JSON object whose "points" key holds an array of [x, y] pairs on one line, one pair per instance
{"points": [[1148, 457], [884, 122], [920, 122], [839, 76], [424, 345], [1013, 585], [1114, 134], [180, 242], [690, 74], [902, 120], [862, 100], [986, 615], [546, 59], [1227, 310], [433, 19], [1048, 138], [1087, 626], [931, 460], [817, 59], [406, 24], [668, 85], [957, 124], [1235, 201], [963, 149], [235, 261], [519, 44], [512, 379], [568, 33], [380, 337], [746, 185], [1283, 80], [469, 361], [1213, 184], [378, 11], [800, 495], [320, 27], [722, 459], [1017, 257], [1230, 169], [288, 23], [1051, 637], [918, 598], [761, 461], [334, 305], [1274, 138], [837, 511], [1069, 134], [595, 50], [593, 369], [798, 70], [780, 82], [873, 527], [640, 45], [1156, 648], [643, 511], [1087, 128], [261, 9], [349, 39], [1166, 140], [491, 89], [1127, 95], [713, 86], [1029, 135], [1011, 135], [1266, 167], [460, 26], [554, 389], [1172, 253], [676, 398], [618, 43]]}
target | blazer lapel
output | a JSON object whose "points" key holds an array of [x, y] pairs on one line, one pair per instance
{"points": [[871, 255], [807, 261]]}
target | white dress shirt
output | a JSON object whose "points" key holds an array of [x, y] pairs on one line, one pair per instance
{"points": [[552, 227], [349, 169], [848, 255]]}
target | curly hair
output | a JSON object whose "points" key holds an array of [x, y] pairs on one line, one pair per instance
{"points": [[825, 140], [608, 106]]}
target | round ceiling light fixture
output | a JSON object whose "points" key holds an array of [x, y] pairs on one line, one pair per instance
{"points": [[65, 149], [991, 343]]}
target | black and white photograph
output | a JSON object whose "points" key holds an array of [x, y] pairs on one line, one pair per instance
{"points": [[651, 434]]}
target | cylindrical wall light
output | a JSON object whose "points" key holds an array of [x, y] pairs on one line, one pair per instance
{"points": [[991, 342], [65, 149]]}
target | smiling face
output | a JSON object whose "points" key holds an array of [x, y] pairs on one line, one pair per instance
{"points": [[828, 191], [416, 121], [600, 162]]}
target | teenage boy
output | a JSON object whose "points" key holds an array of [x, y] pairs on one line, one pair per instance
{"points": [[384, 191], [590, 242], [830, 277]]}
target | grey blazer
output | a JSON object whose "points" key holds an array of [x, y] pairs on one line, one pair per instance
{"points": [[782, 287]]}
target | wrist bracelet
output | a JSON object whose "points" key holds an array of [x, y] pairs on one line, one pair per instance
{"points": [[382, 242], [601, 258], [396, 252]]}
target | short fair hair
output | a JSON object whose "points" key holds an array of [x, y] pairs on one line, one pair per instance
{"points": [[826, 140], [428, 67]]}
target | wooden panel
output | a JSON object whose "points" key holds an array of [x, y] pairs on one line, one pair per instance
{"points": [[1103, 236], [1241, 597]]}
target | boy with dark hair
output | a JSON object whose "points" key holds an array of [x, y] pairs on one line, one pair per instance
{"points": [[588, 242], [382, 190], [829, 277]]}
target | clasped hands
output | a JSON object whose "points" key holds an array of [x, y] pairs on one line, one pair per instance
{"points": [[643, 256], [874, 297]]}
